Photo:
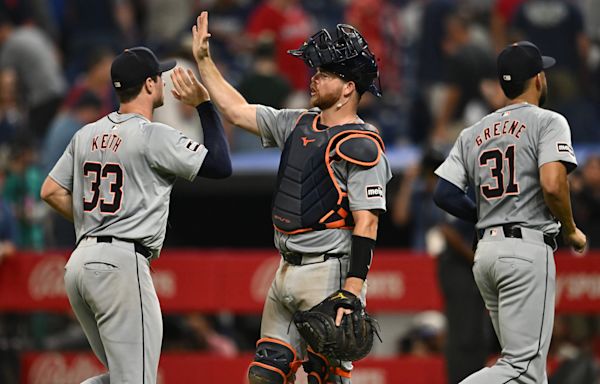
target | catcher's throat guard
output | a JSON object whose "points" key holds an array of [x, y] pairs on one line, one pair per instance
{"points": [[351, 341]]}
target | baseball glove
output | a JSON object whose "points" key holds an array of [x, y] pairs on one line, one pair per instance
{"points": [[351, 341]]}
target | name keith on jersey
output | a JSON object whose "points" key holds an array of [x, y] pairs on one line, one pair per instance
{"points": [[106, 141], [505, 127]]}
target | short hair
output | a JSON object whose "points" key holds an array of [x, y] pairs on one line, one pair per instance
{"points": [[128, 94], [514, 89]]}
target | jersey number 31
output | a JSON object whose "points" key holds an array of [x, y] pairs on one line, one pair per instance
{"points": [[98, 172], [496, 161]]}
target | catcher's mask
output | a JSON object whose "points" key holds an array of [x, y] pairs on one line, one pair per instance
{"points": [[348, 56]]}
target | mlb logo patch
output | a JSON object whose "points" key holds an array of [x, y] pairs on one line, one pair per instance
{"points": [[374, 191], [564, 147]]}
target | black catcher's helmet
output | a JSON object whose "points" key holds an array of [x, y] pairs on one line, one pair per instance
{"points": [[348, 56]]}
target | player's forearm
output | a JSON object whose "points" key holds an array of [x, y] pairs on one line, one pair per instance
{"points": [[555, 187], [361, 253], [217, 163], [453, 200], [62, 203], [57, 197], [228, 100], [559, 203]]}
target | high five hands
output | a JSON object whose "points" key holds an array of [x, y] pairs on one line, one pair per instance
{"points": [[200, 37], [187, 88]]}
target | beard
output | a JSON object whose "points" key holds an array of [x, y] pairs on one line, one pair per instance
{"points": [[543, 95], [324, 102]]}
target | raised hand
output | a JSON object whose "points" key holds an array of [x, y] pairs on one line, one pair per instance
{"points": [[200, 37], [187, 88]]}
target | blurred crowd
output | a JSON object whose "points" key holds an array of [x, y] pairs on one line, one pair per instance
{"points": [[437, 73]]}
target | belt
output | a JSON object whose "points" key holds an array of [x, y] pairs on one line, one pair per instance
{"points": [[139, 248], [296, 258], [515, 232]]}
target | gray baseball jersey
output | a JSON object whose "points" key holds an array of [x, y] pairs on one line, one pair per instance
{"points": [[120, 171], [515, 272], [275, 126], [501, 154]]}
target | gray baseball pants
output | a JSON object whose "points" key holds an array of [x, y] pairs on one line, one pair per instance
{"points": [[517, 280], [112, 294]]}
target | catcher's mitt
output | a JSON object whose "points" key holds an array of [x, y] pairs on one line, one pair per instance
{"points": [[351, 341]]}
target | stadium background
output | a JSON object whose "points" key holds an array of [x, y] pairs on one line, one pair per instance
{"points": [[437, 68]]}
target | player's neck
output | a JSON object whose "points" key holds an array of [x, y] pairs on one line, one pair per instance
{"points": [[140, 109], [333, 116], [527, 97]]}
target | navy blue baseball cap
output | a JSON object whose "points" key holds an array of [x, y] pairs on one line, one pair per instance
{"points": [[134, 65], [521, 61]]}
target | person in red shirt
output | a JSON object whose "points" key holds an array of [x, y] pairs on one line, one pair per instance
{"points": [[286, 22]]}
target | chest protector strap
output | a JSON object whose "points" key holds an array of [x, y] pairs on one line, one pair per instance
{"points": [[309, 196]]}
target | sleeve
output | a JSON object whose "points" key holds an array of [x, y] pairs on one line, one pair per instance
{"points": [[555, 143], [62, 172], [367, 186], [275, 125], [168, 150], [454, 169]]}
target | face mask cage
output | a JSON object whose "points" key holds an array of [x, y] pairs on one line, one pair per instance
{"points": [[320, 50]]}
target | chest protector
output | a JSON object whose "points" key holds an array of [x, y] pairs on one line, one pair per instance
{"points": [[308, 196]]}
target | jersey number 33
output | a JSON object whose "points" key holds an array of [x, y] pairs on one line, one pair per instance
{"points": [[110, 173]]}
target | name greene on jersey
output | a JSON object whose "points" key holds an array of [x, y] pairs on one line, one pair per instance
{"points": [[506, 127], [106, 141]]}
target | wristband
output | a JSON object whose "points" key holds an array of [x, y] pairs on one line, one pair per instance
{"points": [[361, 256]]}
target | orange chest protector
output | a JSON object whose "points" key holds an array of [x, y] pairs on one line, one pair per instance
{"points": [[308, 195]]}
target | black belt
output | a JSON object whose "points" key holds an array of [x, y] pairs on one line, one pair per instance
{"points": [[139, 248], [516, 233], [295, 258]]}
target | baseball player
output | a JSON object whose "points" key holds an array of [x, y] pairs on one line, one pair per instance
{"points": [[114, 181], [330, 191], [517, 159]]}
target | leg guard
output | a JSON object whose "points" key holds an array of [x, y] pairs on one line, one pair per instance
{"points": [[319, 371], [275, 362]]}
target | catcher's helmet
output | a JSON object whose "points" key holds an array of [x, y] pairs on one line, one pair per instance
{"points": [[348, 56]]}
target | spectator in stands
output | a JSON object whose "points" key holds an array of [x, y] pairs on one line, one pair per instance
{"points": [[88, 24], [426, 337], [556, 27], [229, 41], [22, 194], [586, 198], [165, 20], [11, 117], [31, 54], [467, 65], [413, 204], [286, 22], [95, 79], [85, 109], [8, 225], [576, 363], [262, 85], [501, 17]]}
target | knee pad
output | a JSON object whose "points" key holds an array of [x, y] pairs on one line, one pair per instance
{"points": [[319, 371], [275, 362]]}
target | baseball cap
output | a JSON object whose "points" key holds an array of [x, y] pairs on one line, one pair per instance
{"points": [[521, 61], [134, 65]]}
